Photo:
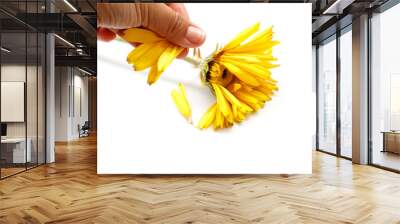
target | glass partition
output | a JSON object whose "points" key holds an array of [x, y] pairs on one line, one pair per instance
{"points": [[41, 107], [346, 93], [385, 89], [14, 153], [32, 98], [22, 101], [327, 96]]}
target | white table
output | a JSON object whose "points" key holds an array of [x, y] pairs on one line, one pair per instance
{"points": [[18, 144]]}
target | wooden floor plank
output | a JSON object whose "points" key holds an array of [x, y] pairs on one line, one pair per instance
{"points": [[70, 191]]}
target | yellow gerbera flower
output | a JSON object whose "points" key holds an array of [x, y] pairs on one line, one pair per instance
{"points": [[239, 75], [154, 52]]}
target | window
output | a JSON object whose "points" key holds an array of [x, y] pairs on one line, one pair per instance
{"points": [[327, 96], [346, 93], [385, 89]]}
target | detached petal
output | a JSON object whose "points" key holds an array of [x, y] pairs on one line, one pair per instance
{"points": [[181, 102]]}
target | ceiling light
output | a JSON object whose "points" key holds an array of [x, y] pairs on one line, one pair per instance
{"points": [[64, 40], [84, 71], [338, 6], [70, 5], [5, 50]]}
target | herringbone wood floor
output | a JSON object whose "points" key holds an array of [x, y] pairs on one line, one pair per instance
{"points": [[69, 191]]}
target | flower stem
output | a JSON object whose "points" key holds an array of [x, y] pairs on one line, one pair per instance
{"points": [[194, 61]]}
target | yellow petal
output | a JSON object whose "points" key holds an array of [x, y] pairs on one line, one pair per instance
{"points": [[231, 98], [181, 102], [253, 69], [150, 57], [265, 90], [242, 75], [244, 58], [153, 75], [252, 58], [139, 35], [168, 56], [137, 52], [261, 37], [223, 104], [233, 87], [208, 118], [234, 111], [237, 104], [242, 36], [227, 123], [182, 89], [247, 88], [259, 48], [246, 97], [259, 95], [219, 119]]}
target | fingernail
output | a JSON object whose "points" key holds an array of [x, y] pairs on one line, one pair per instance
{"points": [[195, 35]]}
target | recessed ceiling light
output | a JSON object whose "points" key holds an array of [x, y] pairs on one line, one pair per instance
{"points": [[5, 50], [70, 5], [64, 40], [84, 71], [338, 6]]}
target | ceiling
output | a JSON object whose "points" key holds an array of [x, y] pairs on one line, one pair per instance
{"points": [[74, 21], [332, 15]]}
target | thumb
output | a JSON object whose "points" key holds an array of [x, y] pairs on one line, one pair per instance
{"points": [[169, 24]]}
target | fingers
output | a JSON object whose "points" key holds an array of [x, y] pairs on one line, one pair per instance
{"points": [[184, 53], [105, 34], [170, 21], [118, 15], [180, 9], [170, 24]]}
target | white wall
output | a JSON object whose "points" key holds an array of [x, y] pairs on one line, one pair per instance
{"points": [[81, 84], [70, 83], [12, 73], [33, 127], [62, 83]]}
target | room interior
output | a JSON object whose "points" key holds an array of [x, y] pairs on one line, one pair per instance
{"points": [[49, 92], [29, 59], [22, 102]]}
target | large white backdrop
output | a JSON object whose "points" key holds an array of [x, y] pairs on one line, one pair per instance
{"points": [[140, 130]]}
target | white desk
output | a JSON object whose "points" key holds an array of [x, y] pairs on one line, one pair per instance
{"points": [[18, 149]]}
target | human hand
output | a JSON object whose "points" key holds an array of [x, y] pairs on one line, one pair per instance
{"points": [[167, 20]]}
